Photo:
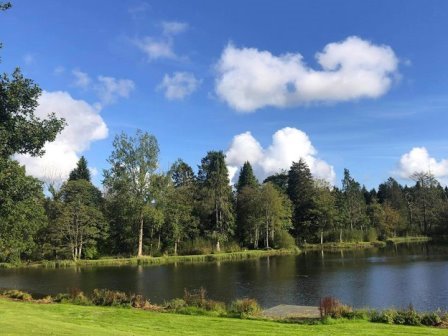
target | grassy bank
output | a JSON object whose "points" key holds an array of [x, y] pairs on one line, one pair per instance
{"points": [[25, 318], [363, 245], [147, 260]]}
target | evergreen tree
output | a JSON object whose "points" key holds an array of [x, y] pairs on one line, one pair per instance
{"points": [[181, 174], [280, 180], [216, 197], [246, 178], [354, 204], [301, 193], [81, 172]]}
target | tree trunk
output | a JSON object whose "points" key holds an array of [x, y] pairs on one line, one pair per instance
{"points": [[140, 238], [175, 247], [267, 235], [218, 246], [340, 235], [322, 237]]}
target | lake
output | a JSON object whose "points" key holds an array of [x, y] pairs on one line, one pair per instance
{"points": [[381, 277]]}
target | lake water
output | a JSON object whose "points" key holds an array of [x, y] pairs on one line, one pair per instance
{"points": [[393, 276]]}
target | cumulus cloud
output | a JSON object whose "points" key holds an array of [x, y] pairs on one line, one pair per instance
{"points": [[249, 79], [288, 145], [82, 79], [110, 88], [179, 85], [162, 47], [418, 160], [84, 126]]}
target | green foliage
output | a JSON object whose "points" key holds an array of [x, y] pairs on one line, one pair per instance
{"points": [[246, 178], [21, 211], [431, 319], [245, 307], [175, 304], [18, 295], [284, 240], [81, 172]]}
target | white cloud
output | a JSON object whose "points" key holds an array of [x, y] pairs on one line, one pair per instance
{"points": [[418, 160], [249, 79], [84, 126], [82, 79], [59, 70], [110, 88], [288, 145], [179, 85], [171, 28], [162, 47], [156, 48]]}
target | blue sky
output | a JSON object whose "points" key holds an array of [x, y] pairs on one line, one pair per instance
{"points": [[114, 57]]}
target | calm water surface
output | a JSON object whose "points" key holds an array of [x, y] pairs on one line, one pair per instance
{"points": [[393, 276]]}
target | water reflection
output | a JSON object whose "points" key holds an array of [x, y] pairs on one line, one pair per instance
{"points": [[393, 276]]}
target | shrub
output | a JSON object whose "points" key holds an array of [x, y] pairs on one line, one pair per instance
{"points": [[408, 317], [245, 307], [371, 235], [196, 246], [328, 306], [78, 297], [431, 319], [386, 316], [195, 297], [175, 304], [18, 295], [231, 246], [46, 299], [62, 298], [105, 297], [284, 240], [216, 306], [138, 301]]}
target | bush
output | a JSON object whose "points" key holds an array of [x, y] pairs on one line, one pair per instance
{"points": [[371, 235], [284, 240], [245, 307], [62, 298], [231, 246], [386, 316], [175, 304], [18, 295], [196, 246], [138, 301], [431, 319], [105, 297], [408, 317], [216, 306], [195, 297], [329, 306]]}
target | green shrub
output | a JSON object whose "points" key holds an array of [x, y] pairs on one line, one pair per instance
{"points": [[431, 319], [196, 246], [245, 307], [408, 317], [175, 304], [386, 316], [18, 295], [62, 298], [195, 297], [231, 246], [371, 235], [105, 297], [284, 240]]}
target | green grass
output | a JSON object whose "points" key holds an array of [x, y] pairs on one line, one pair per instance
{"points": [[344, 245], [405, 240], [147, 260], [24, 318]]}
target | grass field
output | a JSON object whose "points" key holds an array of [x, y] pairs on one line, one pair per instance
{"points": [[26, 318]]}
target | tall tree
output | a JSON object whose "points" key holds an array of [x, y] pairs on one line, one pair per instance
{"points": [[247, 177], [133, 163], [280, 180], [21, 211], [81, 172], [216, 196], [301, 194], [80, 222], [181, 174], [324, 210], [248, 216], [354, 206]]}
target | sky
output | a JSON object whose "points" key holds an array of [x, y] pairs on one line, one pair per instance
{"points": [[342, 84]]}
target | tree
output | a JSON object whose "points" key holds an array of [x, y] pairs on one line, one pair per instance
{"points": [[354, 205], [280, 180], [248, 216], [324, 211], [246, 178], [275, 212], [301, 194], [216, 197], [80, 223], [21, 211], [81, 171], [133, 163], [181, 174]]}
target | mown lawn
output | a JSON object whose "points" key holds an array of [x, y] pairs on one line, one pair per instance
{"points": [[22, 318]]}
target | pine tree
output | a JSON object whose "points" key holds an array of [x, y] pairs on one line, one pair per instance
{"points": [[301, 192], [81, 172], [246, 178]]}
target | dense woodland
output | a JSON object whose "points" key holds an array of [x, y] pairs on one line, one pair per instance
{"points": [[140, 210]]}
